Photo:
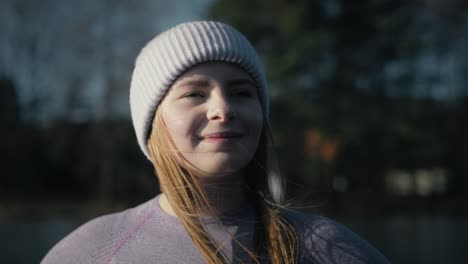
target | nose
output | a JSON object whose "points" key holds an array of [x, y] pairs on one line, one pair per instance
{"points": [[220, 109]]}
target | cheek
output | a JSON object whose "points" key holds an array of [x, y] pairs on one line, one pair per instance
{"points": [[178, 126], [254, 120], [258, 119], [182, 126]]}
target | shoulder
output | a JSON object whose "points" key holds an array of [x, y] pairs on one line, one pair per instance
{"points": [[323, 240], [95, 240]]}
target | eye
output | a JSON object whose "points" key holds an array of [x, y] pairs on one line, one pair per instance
{"points": [[242, 93], [194, 95]]}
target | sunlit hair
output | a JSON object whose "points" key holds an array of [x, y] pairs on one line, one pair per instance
{"points": [[264, 186]]}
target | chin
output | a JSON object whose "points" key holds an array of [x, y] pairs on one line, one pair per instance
{"points": [[219, 164], [222, 168], [223, 171]]}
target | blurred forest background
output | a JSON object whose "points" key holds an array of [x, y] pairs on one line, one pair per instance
{"points": [[369, 112]]}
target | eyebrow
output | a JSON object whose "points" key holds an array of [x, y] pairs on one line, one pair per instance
{"points": [[195, 83], [206, 83], [240, 81]]}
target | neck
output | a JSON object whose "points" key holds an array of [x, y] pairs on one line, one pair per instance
{"points": [[224, 195]]}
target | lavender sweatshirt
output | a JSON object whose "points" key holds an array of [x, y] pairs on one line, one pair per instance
{"points": [[146, 234]]}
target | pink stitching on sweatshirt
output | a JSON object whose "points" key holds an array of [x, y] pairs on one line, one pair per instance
{"points": [[127, 237]]}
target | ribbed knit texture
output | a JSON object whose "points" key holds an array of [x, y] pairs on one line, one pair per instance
{"points": [[172, 53], [145, 234]]}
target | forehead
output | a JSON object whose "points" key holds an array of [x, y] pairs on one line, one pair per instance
{"points": [[220, 71]]}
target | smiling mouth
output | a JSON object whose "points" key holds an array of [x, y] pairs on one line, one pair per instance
{"points": [[221, 136]]}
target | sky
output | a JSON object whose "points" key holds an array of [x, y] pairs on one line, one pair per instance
{"points": [[73, 59]]}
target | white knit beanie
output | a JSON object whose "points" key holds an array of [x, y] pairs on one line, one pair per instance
{"points": [[173, 52]]}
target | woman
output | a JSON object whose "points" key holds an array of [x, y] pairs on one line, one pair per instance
{"points": [[199, 107]]}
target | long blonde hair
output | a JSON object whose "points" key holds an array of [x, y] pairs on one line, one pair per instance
{"points": [[185, 195]]}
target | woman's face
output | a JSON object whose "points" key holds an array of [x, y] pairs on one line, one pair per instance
{"points": [[213, 115]]}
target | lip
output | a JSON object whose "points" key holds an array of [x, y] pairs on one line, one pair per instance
{"points": [[221, 137]]}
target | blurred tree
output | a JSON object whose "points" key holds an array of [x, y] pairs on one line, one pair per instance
{"points": [[329, 52], [71, 64], [352, 83], [9, 108], [357, 90], [74, 61]]}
